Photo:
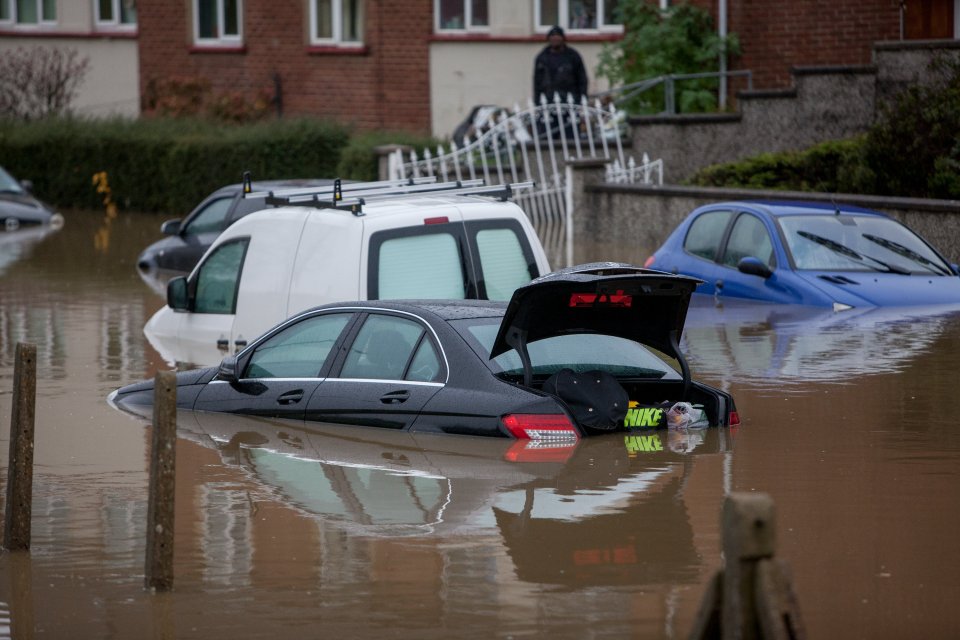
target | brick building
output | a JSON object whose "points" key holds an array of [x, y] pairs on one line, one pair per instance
{"points": [[419, 65]]}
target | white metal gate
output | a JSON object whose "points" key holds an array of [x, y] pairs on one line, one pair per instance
{"points": [[534, 144]]}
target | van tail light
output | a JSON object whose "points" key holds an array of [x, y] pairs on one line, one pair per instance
{"points": [[734, 420], [540, 426], [618, 299], [649, 262], [437, 220]]}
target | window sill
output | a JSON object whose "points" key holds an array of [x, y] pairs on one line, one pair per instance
{"points": [[51, 32], [327, 49], [215, 48]]}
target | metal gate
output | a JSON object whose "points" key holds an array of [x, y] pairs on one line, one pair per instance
{"points": [[534, 144]]}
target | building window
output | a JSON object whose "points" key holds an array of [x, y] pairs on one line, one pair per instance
{"points": [[578, 15], [461, 15], [28, 12], [336, 22], [116, 13], [218, 22]]}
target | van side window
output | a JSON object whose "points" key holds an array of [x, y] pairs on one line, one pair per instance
{"points": [[423, 266], [209, 219], [382, 348], [705, 234], [502, 260], [749, 237], [219, 277], [300, 350]]}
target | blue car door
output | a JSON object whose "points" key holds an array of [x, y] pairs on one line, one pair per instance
{"points": [[749, 237]]}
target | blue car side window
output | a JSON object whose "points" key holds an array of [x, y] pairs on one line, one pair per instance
{"points": [[705, 234], [749, 238]]}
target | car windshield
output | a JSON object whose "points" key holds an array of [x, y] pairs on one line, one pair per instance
{"points": [[8, 184], [578, 351], [830, 242]]}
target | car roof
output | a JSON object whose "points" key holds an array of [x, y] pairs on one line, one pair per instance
{"points": [[442, 309], [779, 208], [267, 185]]}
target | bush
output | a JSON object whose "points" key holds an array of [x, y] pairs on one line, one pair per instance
{"points": [[161, 164], [359, 159]]}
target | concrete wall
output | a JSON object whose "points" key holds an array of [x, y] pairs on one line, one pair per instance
{"points": [[628, 222]]}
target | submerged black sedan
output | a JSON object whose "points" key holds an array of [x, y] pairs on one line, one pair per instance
{"points": [[570, 355]]}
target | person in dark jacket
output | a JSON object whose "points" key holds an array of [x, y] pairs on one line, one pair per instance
{"points": [[558, 68]]}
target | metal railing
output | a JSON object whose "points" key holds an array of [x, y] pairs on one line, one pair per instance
{"points": [[622, 95]]}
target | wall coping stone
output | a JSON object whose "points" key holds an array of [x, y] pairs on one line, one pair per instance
{"points": [[767, 94], [839, 69], [726, 193], [906, 45], [686, 118]]}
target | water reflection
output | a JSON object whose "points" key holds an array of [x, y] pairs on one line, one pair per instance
{"points": [[772, 344], [16, 245]]}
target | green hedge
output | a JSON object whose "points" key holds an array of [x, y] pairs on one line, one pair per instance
{"points": [[162, 165], [359, 160]]}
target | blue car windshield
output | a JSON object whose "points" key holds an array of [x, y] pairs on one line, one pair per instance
{"points": [[845, 242], [8, 184], [578, 351]]}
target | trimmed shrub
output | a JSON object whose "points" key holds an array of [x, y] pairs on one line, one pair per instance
{"points": [[162, 165], [359, 159]]}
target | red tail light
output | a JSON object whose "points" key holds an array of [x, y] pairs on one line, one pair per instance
{"points": [[648, 263], [437, 220], [734, 420], [540, 426], [618, 299]]}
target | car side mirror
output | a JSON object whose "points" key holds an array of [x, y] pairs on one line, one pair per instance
{"points": [[754, 267], [178, 297], [27, 185], [228, 369], [956, 269], [170, 227]]}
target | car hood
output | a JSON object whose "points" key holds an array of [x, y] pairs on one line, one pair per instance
{"points": [[611, 298], [859, 289]]}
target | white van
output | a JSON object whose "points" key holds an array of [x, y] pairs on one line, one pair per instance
{"points": [[369, 241]]}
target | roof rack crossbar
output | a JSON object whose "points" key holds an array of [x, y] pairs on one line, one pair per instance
{"points": [[350, 187], [501, 191]]}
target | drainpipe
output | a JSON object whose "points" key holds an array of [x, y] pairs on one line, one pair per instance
{"points": [[722, 32]]}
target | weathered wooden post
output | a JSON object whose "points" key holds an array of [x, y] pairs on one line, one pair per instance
{"points": [[160, 506], [16, 525], [752, 597]]}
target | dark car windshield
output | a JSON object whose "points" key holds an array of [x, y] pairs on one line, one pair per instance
{"points": [[829, 242], [8, 184], [578, 351]]}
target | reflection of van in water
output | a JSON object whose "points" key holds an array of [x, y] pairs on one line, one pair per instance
{"points": [[274, 263]]}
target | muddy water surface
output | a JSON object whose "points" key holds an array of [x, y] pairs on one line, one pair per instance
{"points": [[285, 530]]}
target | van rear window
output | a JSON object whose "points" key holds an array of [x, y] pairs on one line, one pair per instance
{"points": [[505, 267], [421, 266]]}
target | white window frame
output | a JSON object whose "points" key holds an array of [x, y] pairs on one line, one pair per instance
{"points": [[563, 8], [336, 40], [468, 26], [222, 40], [113, 23], [43, 20]]}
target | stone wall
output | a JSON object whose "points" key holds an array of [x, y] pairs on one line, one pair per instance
{"points": [[629, 222]]}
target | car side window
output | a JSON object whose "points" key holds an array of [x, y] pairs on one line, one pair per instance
{"points": [[706, 233], [300, 350], [426, 364], [749, 238], [218, 278], [383, 348], [209, 219]]}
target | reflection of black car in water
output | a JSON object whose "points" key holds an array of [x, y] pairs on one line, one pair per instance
{"points": [[468, 367]]}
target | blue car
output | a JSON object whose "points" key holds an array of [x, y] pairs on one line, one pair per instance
{"points": [[807, 253]]}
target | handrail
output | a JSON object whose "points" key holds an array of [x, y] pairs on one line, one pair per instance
{"points": [[629, 91]]}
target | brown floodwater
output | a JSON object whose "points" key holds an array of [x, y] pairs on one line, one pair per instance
{"points": [[289, 530]]}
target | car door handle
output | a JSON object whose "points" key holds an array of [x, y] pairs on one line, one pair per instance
{"points": [[223, 344], [395, 397], [291, 397]]}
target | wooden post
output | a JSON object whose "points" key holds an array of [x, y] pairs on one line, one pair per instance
{"points": [[16, 525], [752, 597], [160, 509]]}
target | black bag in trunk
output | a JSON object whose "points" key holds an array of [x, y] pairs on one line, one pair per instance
{"points": [[595, 398]]}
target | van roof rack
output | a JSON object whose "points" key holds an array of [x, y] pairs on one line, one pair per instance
{"points": [[358, 193]]}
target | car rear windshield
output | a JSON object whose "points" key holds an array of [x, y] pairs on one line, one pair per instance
{"points": [[8, 184], [846, 242], [578, 351]]}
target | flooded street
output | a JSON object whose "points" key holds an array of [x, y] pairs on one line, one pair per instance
{"points": [[292, 530]]}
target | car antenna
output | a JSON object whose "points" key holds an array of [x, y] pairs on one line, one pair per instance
{"points": [[836, 207]]}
